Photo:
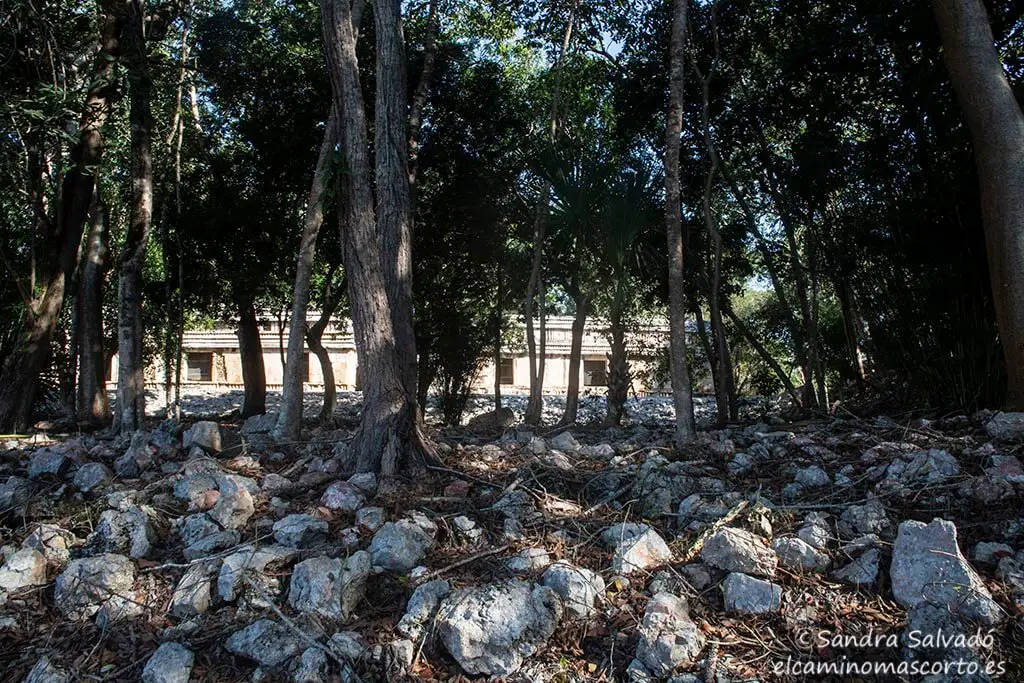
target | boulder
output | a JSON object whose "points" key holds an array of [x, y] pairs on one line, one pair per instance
{"points": [[748, 595], [928, 568], [737, 550], [205, 435], [299, 531], [91, 583], [329, 587], [668, 638], [492, 629], [265, 642], [171, 663], [578, 587]]}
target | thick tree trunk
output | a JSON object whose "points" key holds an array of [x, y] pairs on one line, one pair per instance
{"points": [[997, 130], [682, 392], [91, 405], [250, 348], [289, 420], [131, 390], [19, 381], [572, 392], [388, 433], [391, 145]]}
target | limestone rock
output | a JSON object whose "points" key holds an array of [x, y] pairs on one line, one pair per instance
{"points": [[265, 642], [235, 506], [870, 518], [171, 663], [248, 558], [668, 638], [329, 587], [748, 595], [862, 570], [46, 672], [736, 550], [299, 531], [798, 555], [205, 434], [422, 607], [341, 496], [192, 594], [91, 476], [578, 587], [23, 569], [94, 582], [53, 542], [639, 552], [127, 532], [528, 560], [1006, 427], [491, 630], [928, 568], [399, 546]]}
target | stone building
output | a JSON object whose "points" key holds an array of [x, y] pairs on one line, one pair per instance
{"points": [[212, 359]]}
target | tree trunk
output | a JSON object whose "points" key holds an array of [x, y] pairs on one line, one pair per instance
{"points": [[498, 301], [19, 381], [534, 406], [682, 392], [250, 348], [618, 373], [997, 131], [289, 420], [766, 356], [388, 433], [328, 305], [572, 393], [391, 145], [851, 327], [92, 407], [131, 390]]}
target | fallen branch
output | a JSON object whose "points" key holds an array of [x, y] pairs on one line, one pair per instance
{"points": [[698, 545], [461, 563]]}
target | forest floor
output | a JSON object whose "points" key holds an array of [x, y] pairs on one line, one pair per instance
{"points": [[768, 551]]}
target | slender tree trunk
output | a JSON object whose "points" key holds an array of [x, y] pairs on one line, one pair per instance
{"points": [[618, 372], [314, 336], [765, 355], [705, 342], [572, 392], [997, 130], [682, 392], [851, 327], [250, 348], [19, 381], [419, 97], [131, 390], [498, 299], [388, 433], [92, 406], [289, 420]]}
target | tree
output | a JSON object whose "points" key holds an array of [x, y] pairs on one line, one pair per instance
{"points": [[682, 396], [994, 118], [388, 434]]}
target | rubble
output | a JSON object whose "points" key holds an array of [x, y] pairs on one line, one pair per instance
{"points": [[668, 638], [748, 595], [171, 663], [737, 550]]}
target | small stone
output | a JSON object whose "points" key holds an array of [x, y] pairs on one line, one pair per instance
{"points": [[329, 587], [48, 463], [311, 667], [127, 532], [748, 595], [870, 518], [365, 482], [492, 629], [422, 607], [91, 583], [1006, 427], [171, 663], [798, 555], [192, 594], [814, 535], [266, 642], [214, 543], [91, 476], [205, 435], [990, 553], [53, 542], [862, 571], [349, 644], [813, 477], [341, 496], [736, 550], [928, 567], [668, 638], [235, 506], [578, 587], [248, 558], [641, 552], [46, 672], [399, 546], [528, 560], [370, 519], [515, 504], [299, 531], [23, 569]]}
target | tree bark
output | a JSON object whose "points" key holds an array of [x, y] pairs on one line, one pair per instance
{"points": [[250, 348], [572, 393], [131, 390], [682, 392], [391, 145], [19, 381], [388, 433], [314, 337], [996, 124], [618, 373], [289, 419], [498, 301], [92, 406]]}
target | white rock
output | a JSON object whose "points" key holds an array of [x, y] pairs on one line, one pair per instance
{"points": [[528, 560], [235, 506], [248, 558], [928, 567], [422, 607], [578, 587], [641, 552], [53, 542], [171, 663], [341, 496], [192, 594], [299, 531], [266, 642], [737, 550], [399, 546], [564, 442], [797, 555], [668, 638], [94, 582], [205, 434], [492, 629], [329, 587], [23, 569], [748, 595], [127, 532]]}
